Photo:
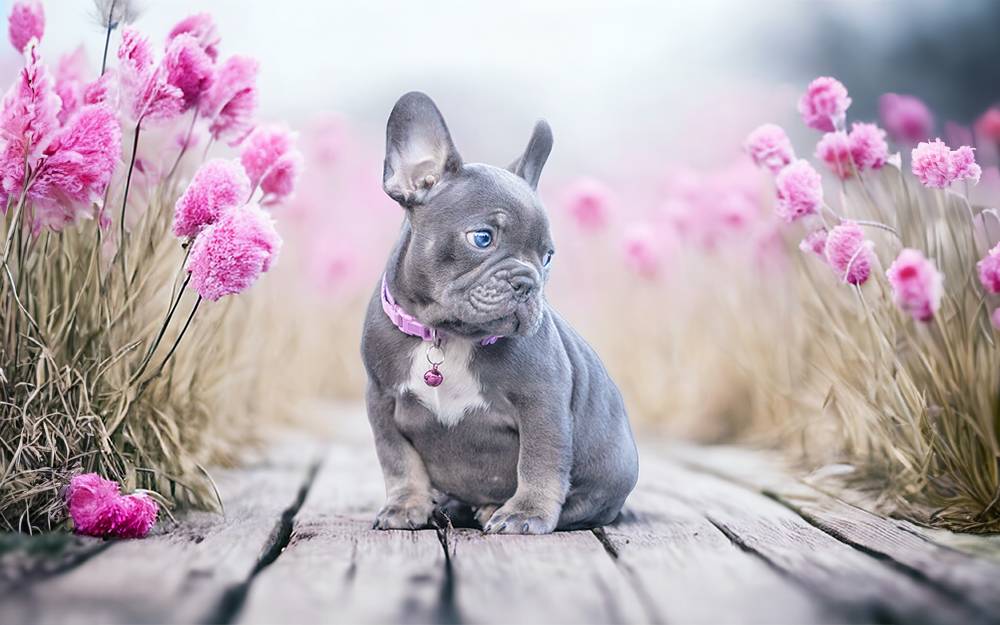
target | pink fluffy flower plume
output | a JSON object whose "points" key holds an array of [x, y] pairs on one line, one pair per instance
{"points": [[99, 509], [906, 117], [26, 22], [271, 161], [824, 104], [588, 202], [917, 286], [217, 186], [800, 191], [229, 256], [989, 271], [231, 101], [769, 147], [937, 166], [849, 254]]}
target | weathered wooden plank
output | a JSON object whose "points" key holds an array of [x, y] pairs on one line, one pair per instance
{"points": [[184, 575], [865, 587], [24, 558], [971, 579], [687, 571], [336, 569]]}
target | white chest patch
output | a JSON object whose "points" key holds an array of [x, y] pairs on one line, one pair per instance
{"points": [[460, 390]]}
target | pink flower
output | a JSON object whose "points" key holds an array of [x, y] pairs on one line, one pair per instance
{"points": [[29, 118], [587, 201], [849, 254], [217, 186], [964, 166], [70, 77], [916, 285], [824, 104], [868, 147], [800, 191], [641, 254], [26, 22], [98, 509], [229, 256], [147, 94], [769, 147], [231, 101], [995, 318], [815, 242], [271, 161], [202, 28], [988, 125], [989, 270], [932, 164], [188, 68], [77, 166], [834, 149], [907, 118]]}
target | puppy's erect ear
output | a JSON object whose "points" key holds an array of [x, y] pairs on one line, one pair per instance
{"points": [[418, 150], [529, 165]]}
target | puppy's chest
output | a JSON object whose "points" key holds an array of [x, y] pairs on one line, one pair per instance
{"points": [[459, 393]]}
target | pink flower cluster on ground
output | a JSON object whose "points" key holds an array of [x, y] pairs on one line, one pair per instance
{"points": [[99, 509], [770, 147], [917, 286], [937, 166], [229, 255], [26, 22], [824, 104], [849, 253], [906, 117]]}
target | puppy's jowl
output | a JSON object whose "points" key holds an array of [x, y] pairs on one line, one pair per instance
{"points": [[479, 394]]}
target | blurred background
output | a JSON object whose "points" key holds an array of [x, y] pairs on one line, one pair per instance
{"points": [[668, 257]]}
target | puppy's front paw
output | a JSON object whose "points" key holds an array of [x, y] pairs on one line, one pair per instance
{"points": [[411, 513], [522, 517]]}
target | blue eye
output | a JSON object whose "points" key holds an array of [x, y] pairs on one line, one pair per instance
{"points": [[547, 259], [480, 238]]}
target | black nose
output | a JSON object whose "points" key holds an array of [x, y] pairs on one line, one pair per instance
{"points": [[523, 286]]}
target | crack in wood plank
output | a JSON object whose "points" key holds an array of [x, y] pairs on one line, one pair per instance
{"points": [[638, 587]]}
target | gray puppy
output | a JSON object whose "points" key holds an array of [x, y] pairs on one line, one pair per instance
{"points": [[478, 392]]}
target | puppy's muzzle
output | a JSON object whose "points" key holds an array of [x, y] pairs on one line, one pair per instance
{"points": [[523, 286]]}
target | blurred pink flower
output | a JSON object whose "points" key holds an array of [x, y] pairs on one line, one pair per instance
{"points": [[932, 164], [104, 90], [988, 125], [217, 186], [964, 166], [588, 201], [202, 28], [231, 102], [188, 68], [989, 270], [849, 254], [868, 147], [906, 117], [28, 121], [957, 134], [98, 509], [271, 161], [916, 284], [800, 191], [824, 104], [70, 79], [769, 147], [642, 254], [229, 255], [77, 166], [936, 166], [815, 242], [995, 318], [26, 22], [834, 149], [147, 94]]}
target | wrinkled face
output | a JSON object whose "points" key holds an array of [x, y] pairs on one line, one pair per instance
{"points": [[480, 249]]}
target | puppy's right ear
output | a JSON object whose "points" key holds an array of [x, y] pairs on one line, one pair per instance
{"points": [[419, 152]]}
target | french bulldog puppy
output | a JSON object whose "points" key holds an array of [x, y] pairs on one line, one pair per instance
{"points": [[478, 392]]}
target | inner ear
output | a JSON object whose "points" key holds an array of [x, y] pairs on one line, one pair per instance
{"points": [[529, 165], [419, 152]]}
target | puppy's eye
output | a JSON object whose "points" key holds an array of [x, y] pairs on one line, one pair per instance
{"points": [[547, 259], [480, 238]]}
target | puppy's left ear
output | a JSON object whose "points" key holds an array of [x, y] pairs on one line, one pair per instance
{"points": [[529, 165], [419, 152]]}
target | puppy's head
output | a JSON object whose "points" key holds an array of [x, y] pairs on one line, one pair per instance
{"points": [[479, 247]]}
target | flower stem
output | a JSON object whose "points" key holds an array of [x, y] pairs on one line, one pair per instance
{"points": [[187, 141], [128, 182], [173, 348], [172, 308], [107, 37]]}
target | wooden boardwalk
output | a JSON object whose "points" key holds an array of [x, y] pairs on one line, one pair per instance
{"points": [[711, 535]]}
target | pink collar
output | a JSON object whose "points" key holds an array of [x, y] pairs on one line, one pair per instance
{"points": [[408, 324]]}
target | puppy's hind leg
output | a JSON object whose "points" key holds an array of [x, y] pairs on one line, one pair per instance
{"points": [[484, 512]]}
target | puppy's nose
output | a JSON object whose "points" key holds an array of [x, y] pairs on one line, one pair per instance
{"points": [[523, 286]]}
